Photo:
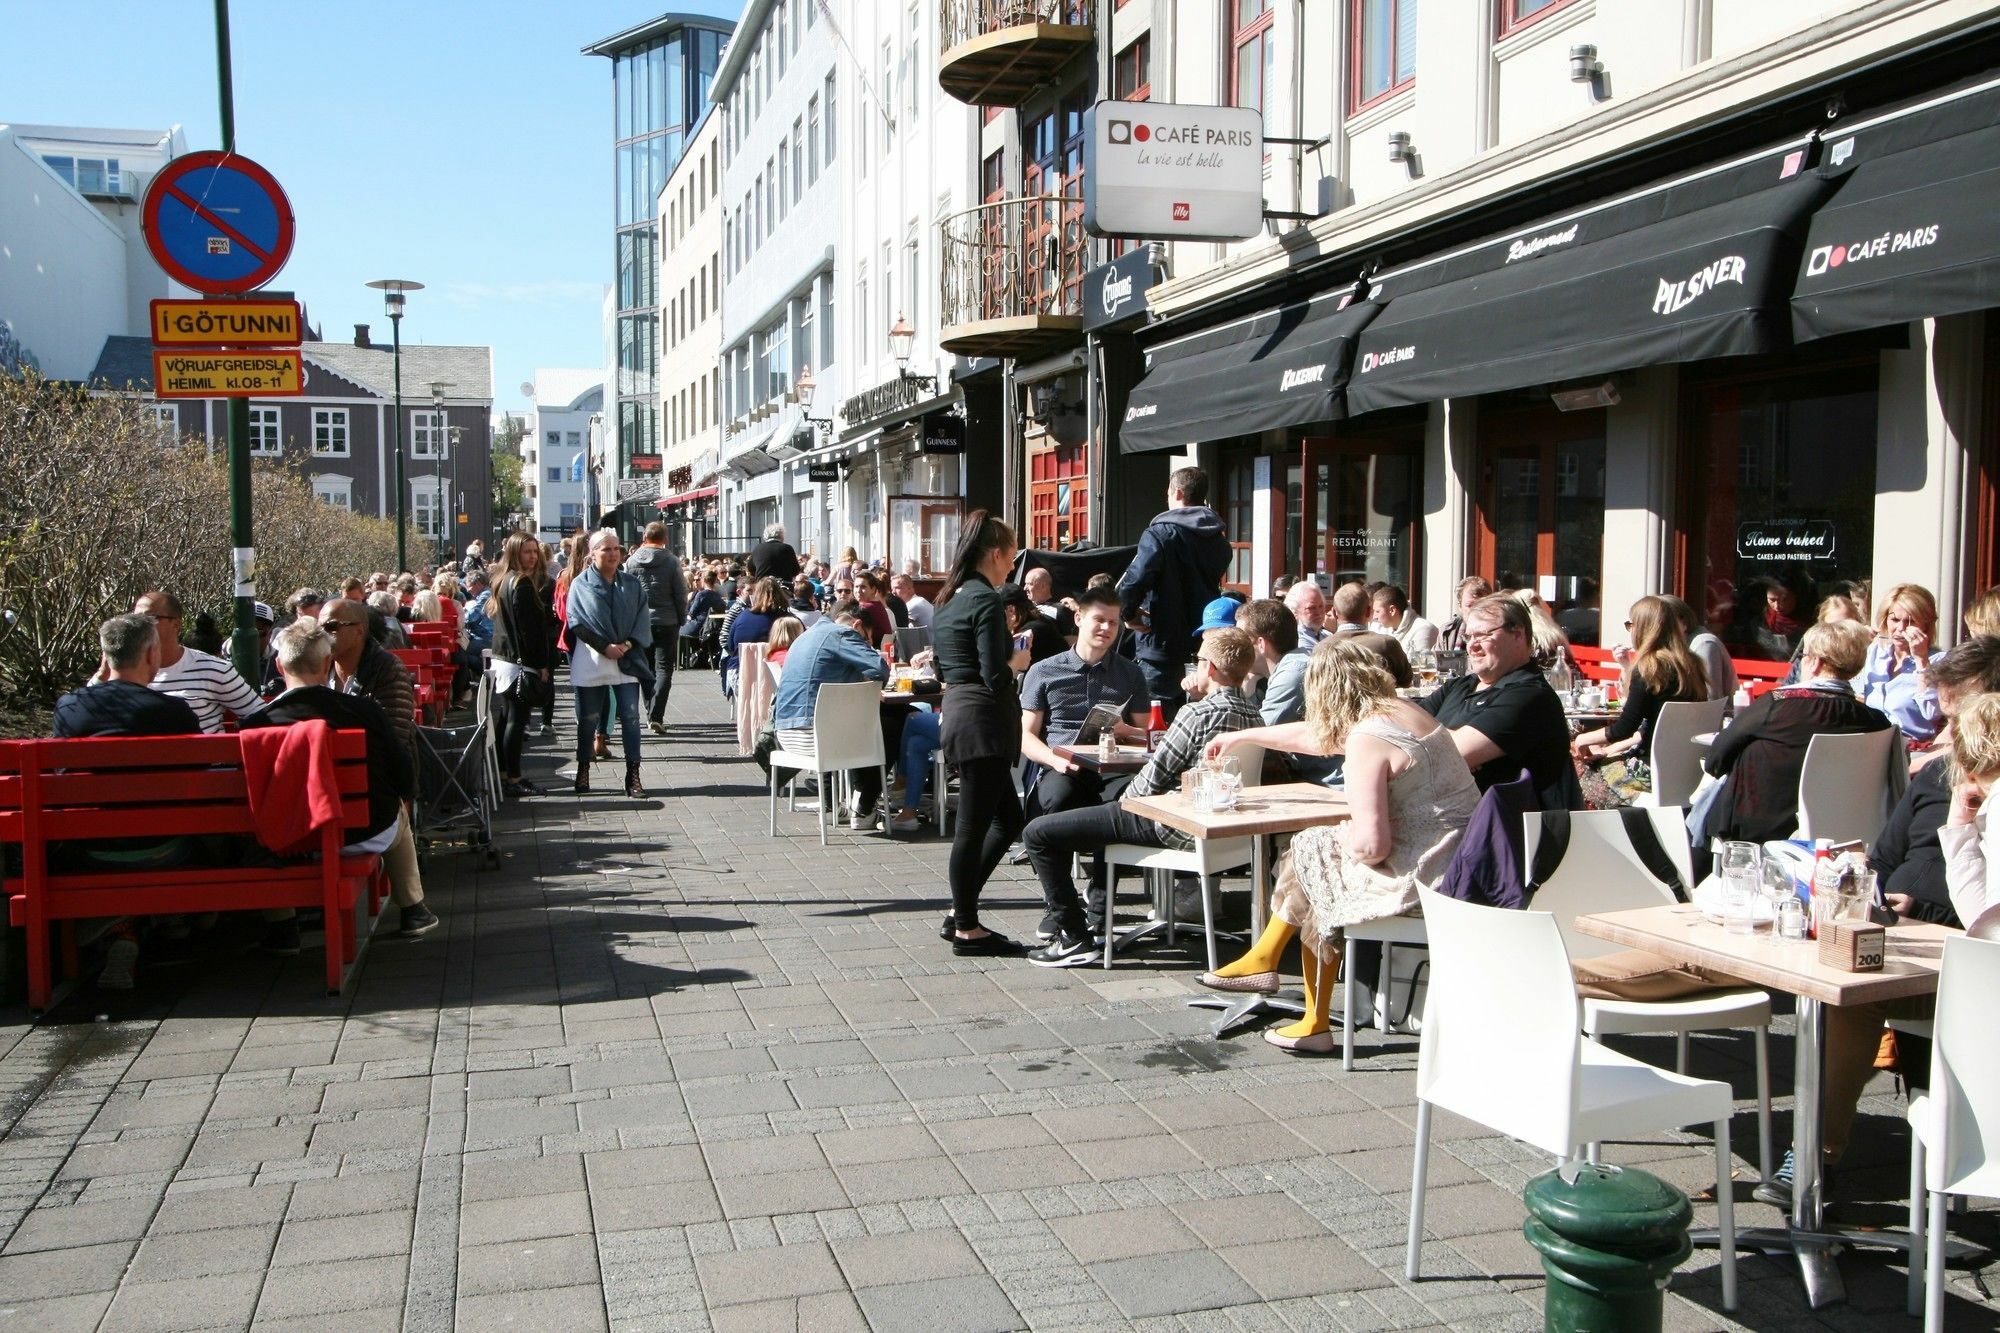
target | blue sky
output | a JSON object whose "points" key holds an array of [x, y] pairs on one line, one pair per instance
{"points": [[464, 144]]}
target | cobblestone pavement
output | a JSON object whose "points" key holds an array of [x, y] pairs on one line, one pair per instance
{"points": [[660, 1071]]}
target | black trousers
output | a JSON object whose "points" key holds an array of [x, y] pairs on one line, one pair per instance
{"points": [[989, 819], [1070, 791], [513, 716], [1054, 839], [665, 655]]}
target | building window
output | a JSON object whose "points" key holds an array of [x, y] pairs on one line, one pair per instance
{"points": [[330, 432], [825, 321], [167, 416], [335, 491], [1132, 72], [812, 140], [89, 175], [798, 159], [832, 119], [427, 505], [1384, 49], [1253, 50], [555, 474], [264, 438], [1518, 14], [427, 438], [861, 307]]}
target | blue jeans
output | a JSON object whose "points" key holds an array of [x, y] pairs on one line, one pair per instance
{"points": [[590, 712], [920, 744]]}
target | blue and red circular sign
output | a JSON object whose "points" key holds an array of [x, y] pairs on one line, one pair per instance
{"points": [[218, 222]]}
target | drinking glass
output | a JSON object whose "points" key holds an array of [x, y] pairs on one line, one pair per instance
{"points": [[1225, 781], [1778, 887], [1740, 856], [1741, 897]]}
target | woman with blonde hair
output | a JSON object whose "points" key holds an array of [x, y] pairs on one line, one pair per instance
{"points": [[1982, 618], [1896, 679], [1551, 645], [1410, 795], [1970, 836], [523, 650], [1661, 670], [785, 632]]}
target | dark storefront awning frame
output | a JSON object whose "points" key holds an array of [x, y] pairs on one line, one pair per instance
{"points": [[1912, 230], [1279, 367], [1692, 268]]}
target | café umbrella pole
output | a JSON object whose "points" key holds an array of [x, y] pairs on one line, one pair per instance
{"points": [[243, 646]]}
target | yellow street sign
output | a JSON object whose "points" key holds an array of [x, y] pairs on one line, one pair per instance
{"points": [[227, 374], [227, 323]]}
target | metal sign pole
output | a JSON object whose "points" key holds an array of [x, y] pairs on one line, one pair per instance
{"points": [[244, 650]]}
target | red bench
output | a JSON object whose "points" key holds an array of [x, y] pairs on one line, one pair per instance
{"points": [[1757, 676], [161, 787], [1596, 663]]}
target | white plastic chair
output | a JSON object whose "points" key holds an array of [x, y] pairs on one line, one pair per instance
{"points": [[847, 733], [1955, 1126], [1600, 872], [1676, 759], [1844, 786], [1208, 858], [1501, 1046], [1390, 932]]}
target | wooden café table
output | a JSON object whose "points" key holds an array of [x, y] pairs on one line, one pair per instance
{"points": [[1915, 951], [1260, 813]]}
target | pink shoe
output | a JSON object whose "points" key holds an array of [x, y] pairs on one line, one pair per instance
{"points": [[1256, 983], [1317, 1043]]}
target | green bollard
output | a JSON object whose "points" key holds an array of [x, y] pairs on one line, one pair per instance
{"points": [[1608, 1240]]}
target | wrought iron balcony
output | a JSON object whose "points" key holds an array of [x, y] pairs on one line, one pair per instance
{"points": [[999, 52], [1013, 276]]}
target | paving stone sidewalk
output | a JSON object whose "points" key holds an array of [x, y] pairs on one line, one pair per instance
{"points": [[662, 1071]]}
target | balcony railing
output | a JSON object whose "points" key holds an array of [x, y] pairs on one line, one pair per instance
{"points": [[1000, 52], [1013, 276]]}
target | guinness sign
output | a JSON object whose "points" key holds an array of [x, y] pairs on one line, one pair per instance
{"points": [[944, 434], [827, 471]]}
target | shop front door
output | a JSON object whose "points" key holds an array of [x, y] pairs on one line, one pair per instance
{"points": [[1352, 506], [1541, 508]]}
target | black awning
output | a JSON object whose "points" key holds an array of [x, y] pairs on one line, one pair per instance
{"points": [[1280, 367], [1693, 268], [1913, 229]]}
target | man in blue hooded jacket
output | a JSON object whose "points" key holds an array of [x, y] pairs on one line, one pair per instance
{"points": [[1175, 573]]}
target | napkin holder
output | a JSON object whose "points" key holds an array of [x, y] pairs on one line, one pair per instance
{"points": [[1852, 946]]}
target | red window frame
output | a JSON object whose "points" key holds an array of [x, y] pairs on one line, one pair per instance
{"points": [[1256, 30], [1356, 103], [1508, 14], [1140, 52]]}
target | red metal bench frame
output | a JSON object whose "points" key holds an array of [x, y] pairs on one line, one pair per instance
{"points": [[160, 787]]}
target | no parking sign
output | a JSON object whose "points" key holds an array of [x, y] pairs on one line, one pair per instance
{"points": [[218, 222]]}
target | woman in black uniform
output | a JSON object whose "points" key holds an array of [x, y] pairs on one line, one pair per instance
{"points": [[981, 731]]}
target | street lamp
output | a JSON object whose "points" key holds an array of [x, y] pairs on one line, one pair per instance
{"points": [[441, 440], [902, 341], [392, 290], [804, 389]]}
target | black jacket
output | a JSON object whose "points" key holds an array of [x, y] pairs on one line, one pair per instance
{"points": [[1906, 856], [1177, 571], [1763, 753], [666, 586], [121, 708], [774, 560], [379, 677], [521, 625], [974, 655], [391, 775]]}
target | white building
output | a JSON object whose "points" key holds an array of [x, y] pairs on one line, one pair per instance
{"points": [[74, 269], [913, 164], [780, 89], [1486, 173], [690, 221], [555, 451]]}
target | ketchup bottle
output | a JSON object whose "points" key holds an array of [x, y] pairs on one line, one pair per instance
{"points": [[1156, 726]]}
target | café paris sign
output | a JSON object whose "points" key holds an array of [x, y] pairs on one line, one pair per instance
{"points": [[1157, 170]]}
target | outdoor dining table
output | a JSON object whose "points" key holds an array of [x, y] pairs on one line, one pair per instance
{"points": [[1914, 952], [1259, 813], [1125, 759]]}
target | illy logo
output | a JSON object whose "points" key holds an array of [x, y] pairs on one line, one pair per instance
{"points": [[1182, 212], [1295, 379]]}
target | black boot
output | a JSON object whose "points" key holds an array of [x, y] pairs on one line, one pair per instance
{"points": [[633, 787], [582, 776]]}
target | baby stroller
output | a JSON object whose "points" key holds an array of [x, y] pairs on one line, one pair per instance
{"points": [[457, 785]]}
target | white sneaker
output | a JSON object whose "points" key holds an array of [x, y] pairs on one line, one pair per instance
{"points": [[121, 961], [858, 819], [904, 824]]}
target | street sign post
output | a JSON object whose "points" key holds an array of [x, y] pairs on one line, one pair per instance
{"points": [[217, 222], [279, 373], [227, 323]]}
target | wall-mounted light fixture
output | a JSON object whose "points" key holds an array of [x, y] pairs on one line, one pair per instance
{"points": [[1403, 151], [1585, 67], [804, 389]]}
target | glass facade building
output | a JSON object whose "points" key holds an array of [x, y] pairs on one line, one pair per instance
{"points": [[660, 76]]}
